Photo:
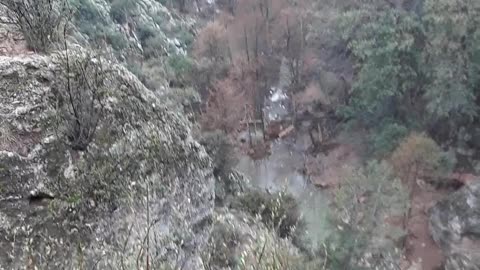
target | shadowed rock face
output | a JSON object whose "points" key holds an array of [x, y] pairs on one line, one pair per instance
{"points": [[143, 186], [455, 226]]}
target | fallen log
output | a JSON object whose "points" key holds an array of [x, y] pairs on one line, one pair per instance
{"points": [[286, 132]]}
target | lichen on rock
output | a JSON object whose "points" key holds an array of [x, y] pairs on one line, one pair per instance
{"points": [[141, 182], [455, 226]]}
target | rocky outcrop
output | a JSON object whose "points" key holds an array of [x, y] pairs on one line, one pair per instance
{"points": [[132, 31], [455, 226], [141, 193]]}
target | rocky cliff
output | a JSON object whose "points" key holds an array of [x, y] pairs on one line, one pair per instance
{"points": [[142, 182], [128, 25], [455, 226]]}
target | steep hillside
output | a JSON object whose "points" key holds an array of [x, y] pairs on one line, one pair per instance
{"points": [[97, 171], [125, 126], [141, 178]]}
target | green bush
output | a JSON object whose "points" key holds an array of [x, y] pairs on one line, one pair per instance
{"points": [[385, 138], [418, 155], [185, 37], [121, 9], [160, 17], [136, 69], [152, 73], [154, 47], [180, 64], [447, 162], [93, 31], [116, 39], [145, 32], [92, 23], [366, 197], [222, 246], [279, 211], [86, 13], [180, 67], [341, 247]]}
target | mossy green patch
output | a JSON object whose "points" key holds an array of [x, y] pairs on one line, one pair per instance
{"points": [[74, 198]]}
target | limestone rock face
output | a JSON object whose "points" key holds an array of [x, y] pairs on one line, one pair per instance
{"points": [[455, 226], [141, 193]]}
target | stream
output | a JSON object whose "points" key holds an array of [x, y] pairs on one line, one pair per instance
{"points": [[282, 171]]}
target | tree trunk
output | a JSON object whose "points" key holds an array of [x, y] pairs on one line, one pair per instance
{"points": [[246, 43]]}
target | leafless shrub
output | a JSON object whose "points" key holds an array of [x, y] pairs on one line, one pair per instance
{"points": [[82, 82], [224, 108], [40, 21], [212, 42]]}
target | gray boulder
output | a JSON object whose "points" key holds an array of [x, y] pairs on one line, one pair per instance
{"points": [[141, 193], [455, 226]]}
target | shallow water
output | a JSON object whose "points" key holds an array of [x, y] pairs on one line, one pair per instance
{"points": [[282, 171]]}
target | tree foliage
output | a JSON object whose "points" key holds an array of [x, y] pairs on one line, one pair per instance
{"points": [[417, 66], [365, 201], [388, 77], [121, 9], [386, 137], [279, 211], [452, 57], [417, 156]]}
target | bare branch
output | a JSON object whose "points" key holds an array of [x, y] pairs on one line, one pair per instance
{"points": [[40, 21]]}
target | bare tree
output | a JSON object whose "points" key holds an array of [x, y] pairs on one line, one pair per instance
{"points": [[294, 34], [212, 42], [224, 108]]}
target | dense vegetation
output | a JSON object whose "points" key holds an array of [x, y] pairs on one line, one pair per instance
{"points": [[407, 73], [413, 71], [418, 68], [415, 64]]}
